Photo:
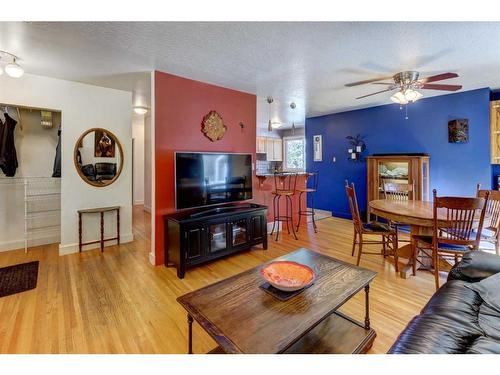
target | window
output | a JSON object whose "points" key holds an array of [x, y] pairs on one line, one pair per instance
{"points": [[295, 153]]}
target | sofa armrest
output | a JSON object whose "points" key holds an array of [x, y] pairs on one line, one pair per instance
{"points": [[475, 266]]}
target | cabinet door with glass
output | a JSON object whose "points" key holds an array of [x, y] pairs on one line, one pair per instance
{"points": [[239, 232], [217, 237], [393, 171]]}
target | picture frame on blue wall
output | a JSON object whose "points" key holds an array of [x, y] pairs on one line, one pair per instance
{"points": [[318, 148], [458, 131]]}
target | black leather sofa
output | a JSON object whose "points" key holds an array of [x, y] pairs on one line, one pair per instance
{"points": [[99, 171], [460, 317]]}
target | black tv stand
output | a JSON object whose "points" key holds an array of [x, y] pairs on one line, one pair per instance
{"points": [[194, 237]]}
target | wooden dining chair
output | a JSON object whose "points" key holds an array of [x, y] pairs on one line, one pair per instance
{"points": [[491, 231], [454, 230], [389, 239], [400, 193]]}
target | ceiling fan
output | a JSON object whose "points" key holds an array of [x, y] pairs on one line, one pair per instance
{"points": [[408, 83]]}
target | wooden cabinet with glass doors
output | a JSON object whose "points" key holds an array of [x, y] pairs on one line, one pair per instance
{"points": [[403, 169], [495, 131]]}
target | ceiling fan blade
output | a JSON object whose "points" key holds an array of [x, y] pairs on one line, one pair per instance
{"points": [[441, 87], [375, 93], [366, 81], [438, 77]]}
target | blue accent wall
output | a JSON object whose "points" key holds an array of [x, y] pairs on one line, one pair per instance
{"points": [[454, 168]]}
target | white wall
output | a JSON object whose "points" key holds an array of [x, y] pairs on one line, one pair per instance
{"points": [[36, 149], [138, 136], [82, 107]]}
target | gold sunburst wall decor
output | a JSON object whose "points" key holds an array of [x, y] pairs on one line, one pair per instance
{"points": [[213, 127]]}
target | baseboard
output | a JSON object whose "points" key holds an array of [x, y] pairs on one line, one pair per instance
{"points": [[278, 226], [152, 259], [147, 208], [138, 203], [19, 243], [73, 247]]}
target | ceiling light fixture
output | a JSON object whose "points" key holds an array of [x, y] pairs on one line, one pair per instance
{"points": [[292, 106], [270, 100], [13, 69], [141, 110]]}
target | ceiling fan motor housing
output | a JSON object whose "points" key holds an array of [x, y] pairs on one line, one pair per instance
{"points": [[405, 78]]}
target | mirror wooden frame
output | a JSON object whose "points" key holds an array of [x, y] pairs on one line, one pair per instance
{"points": [[75, 154]]}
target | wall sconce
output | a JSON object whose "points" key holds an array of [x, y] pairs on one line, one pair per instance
{"points": [[357, 147]]}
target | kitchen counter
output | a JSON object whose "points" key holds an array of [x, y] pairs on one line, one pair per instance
{"points": [[272, 174], [263, 194]]}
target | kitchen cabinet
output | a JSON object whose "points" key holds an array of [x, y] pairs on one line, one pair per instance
{"points": [[272, 147], [278, 149], [261, 145]]}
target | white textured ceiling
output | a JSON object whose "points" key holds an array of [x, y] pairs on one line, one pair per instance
{"points": [[308, 63]]}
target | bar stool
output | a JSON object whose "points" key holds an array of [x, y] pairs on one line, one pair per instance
{"points": [[284, 186], [314, 187]]}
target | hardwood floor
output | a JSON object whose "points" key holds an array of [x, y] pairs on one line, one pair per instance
{"points": [[116, 302]]}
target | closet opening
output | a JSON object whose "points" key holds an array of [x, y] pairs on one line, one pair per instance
{"points": [[30, 177]]}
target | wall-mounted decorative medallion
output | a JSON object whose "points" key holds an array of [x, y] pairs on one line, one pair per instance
{"points": [[213, 127]]}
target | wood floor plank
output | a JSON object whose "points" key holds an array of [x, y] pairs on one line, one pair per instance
{"points": [[117, 302]]}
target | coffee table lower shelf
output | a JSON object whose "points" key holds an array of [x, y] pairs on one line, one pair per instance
{"points": [[337, 334]]}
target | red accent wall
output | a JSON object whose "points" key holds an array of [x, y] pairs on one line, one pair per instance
{"points": [[180, 105]]}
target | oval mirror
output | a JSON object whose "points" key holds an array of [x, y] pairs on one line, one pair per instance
{"points": [[98, 157]]}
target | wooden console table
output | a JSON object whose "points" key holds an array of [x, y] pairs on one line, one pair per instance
{"points": [[101, 211]]}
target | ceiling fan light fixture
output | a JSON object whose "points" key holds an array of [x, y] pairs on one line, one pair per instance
{"points": [[412, 95], [399, 98]]}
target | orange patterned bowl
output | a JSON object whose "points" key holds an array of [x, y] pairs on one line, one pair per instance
{"points": [[287, 276]]}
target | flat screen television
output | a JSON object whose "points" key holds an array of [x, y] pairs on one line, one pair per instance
{"points": [[204, 179]]}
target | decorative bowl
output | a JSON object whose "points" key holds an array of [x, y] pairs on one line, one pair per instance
{"points": [[287, 276]]}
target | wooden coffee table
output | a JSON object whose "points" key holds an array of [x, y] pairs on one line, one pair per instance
{"points": [[242, 318]]}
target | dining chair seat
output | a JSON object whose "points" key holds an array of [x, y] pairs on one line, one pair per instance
{"points": [[306, 190], [284, 192], [486, 233], [444, 247], [378, 227]]}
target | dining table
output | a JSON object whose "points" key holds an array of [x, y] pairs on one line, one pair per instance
{"points": [[419, 215]]}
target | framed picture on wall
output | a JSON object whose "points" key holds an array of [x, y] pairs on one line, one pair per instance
{"points": [[104, 145], [318, 148], [458, 131]]}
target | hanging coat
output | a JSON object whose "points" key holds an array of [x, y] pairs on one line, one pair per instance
{"points": [[8, 155], [57, 161]]}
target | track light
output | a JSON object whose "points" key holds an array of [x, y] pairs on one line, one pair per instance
{"points": [[13, 69]]}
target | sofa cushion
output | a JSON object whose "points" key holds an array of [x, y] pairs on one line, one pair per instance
{"points": [[447, 324], [475, 266], [484, 345]]}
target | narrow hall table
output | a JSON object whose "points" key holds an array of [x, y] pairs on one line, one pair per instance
{"points": [[100, 211]]}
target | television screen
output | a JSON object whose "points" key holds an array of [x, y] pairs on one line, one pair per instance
{"points": [[203, 179]]}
